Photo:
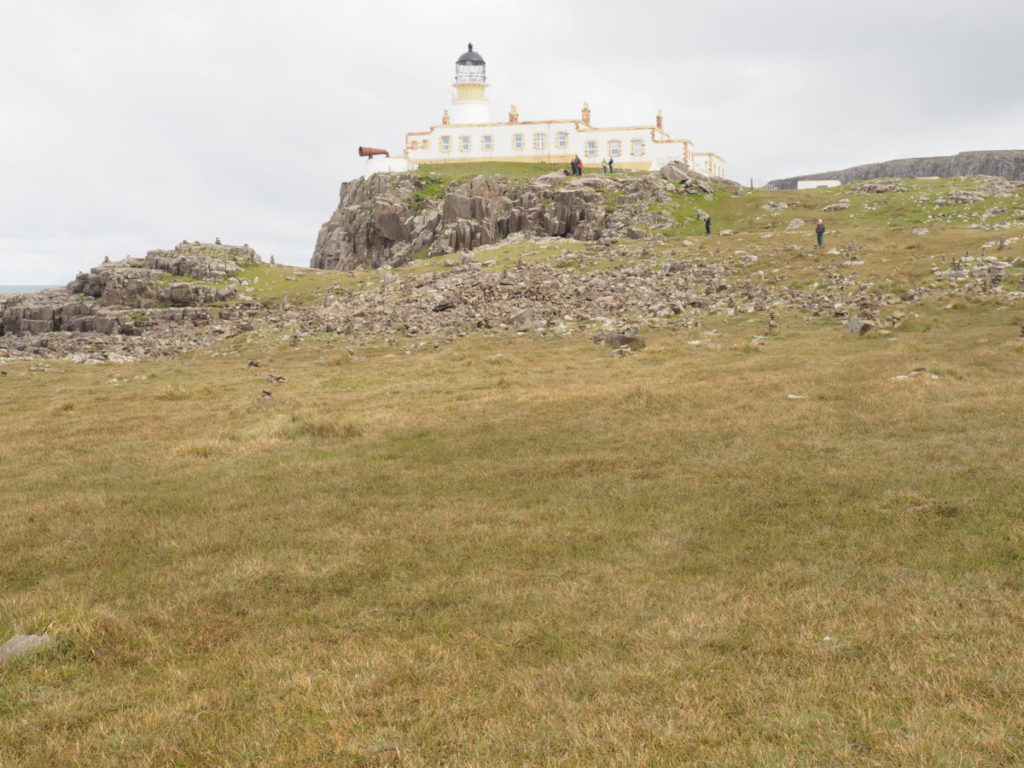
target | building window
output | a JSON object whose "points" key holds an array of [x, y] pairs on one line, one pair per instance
{"points": [[562, 140], [591, 150], [638, 147], [539, 140], [446, 143], [464, 143], [488, 143], [614, 148], [517, 141]]}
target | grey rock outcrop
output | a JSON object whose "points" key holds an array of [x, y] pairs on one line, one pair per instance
{"points": [[145, 282], [20, 645], [159, 302], [389, 219]]}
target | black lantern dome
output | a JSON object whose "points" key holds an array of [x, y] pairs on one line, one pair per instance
{"points": [[470, 67]]}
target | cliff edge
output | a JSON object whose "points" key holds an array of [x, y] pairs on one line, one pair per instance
{"points": [[1008, 163], [389, 219]]}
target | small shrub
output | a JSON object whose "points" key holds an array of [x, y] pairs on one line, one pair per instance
{"points": [[203, 449], [639, 397], [173, 392]]}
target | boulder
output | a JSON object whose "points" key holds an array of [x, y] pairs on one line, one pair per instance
{"points": [[676, 171], [523, 321], [858, 325], [20, 645]]}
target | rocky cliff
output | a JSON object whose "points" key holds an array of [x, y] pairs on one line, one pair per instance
{"points": [[1007, 163], [137, 307], [389, 219]]}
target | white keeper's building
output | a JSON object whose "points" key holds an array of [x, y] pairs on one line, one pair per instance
{"points": [[467, 133]]}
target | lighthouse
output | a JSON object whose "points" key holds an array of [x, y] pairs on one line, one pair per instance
{"points": [[466, 133], [469, 102]]}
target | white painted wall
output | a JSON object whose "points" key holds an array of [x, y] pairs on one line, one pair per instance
{"points": [[709, 164], [818, 183], [468, 112], [653, 154], [383, 164]]}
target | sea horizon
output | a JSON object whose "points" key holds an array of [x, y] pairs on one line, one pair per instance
{"points": [[8, 289]]}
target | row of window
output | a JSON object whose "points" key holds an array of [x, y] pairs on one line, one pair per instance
{"points": [[590, 147], [636, 147]]}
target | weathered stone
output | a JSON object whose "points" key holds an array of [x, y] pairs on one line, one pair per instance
{"points": [[523, 321], [858, 325], [624, 340], [20, 645]]}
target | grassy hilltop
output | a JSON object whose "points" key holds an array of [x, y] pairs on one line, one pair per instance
{"points": [[731, 548]]}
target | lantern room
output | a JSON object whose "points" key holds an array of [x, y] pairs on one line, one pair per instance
{"points": [[469, 102]]}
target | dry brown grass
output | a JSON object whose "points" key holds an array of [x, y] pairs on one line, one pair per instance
{"points": [[523, 552], [520, 551]]}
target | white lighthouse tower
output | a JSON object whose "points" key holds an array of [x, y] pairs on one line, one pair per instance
{"points": [[469, 102]]}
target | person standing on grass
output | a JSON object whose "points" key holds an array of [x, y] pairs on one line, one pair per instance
{"points": [[707, 224], [611, 166], [579, 166], [820, 232], [604, 166]]}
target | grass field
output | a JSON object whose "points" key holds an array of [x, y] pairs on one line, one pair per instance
{"points": [[520, 551]]}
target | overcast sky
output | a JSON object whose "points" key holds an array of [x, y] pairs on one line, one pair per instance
{"points": [[131, 125]]}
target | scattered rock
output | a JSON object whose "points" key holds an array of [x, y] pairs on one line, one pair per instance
{"points": [[523, 321], [922, 372], [878, 186], [959, 197]]}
